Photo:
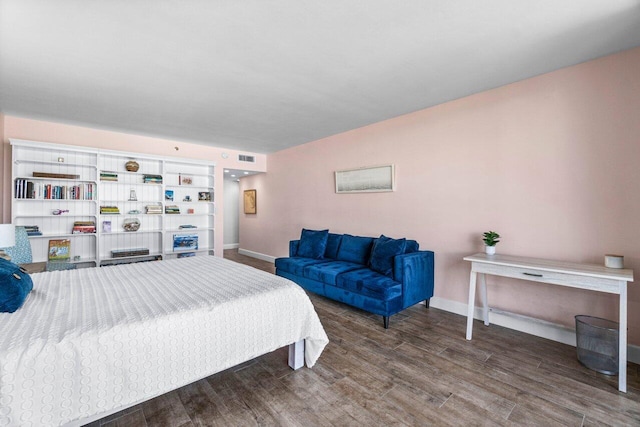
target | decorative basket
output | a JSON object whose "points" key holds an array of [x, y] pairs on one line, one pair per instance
{"points": [[132, 166], [131, 224]]}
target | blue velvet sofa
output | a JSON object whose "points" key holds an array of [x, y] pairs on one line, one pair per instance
{"points": [[379, 275]]}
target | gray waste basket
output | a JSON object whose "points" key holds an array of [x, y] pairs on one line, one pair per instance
{"points": [[597, 343]]}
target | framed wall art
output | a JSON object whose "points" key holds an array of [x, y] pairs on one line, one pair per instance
{"points": [[250, 206], [371, 179]]}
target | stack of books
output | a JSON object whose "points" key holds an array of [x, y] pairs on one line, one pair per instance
{"points": [[25, 189], [152, 179], [187, 226], [120, 253], [108, 176], [113, 210], [33, 230], [154, 209], [171, 209], [80, 227]]}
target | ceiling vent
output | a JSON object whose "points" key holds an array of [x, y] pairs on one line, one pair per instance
{"points": [[246, 158]]}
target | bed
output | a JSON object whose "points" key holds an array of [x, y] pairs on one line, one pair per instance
{"points": [[90, 342]]}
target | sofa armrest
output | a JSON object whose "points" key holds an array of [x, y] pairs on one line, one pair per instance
{"points": [[293, 247], [415, 272]]}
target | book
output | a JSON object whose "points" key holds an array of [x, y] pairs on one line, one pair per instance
{"points": [[55, 175], [185, 242], [168, 195], [59, 250], [106, 226], [120, 253], [171, 209]]}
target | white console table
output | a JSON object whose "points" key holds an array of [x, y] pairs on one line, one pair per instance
{"points": [[574, 275]]}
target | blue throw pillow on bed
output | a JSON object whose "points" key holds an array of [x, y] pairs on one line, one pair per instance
{"points": [[313, 243], [15, 285], [383, 253]]}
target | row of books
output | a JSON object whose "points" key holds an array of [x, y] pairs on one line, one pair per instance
{"points": [[109, 210], [26, 189], [152, 179], [108, 176], [33, 230], [80, 227]]}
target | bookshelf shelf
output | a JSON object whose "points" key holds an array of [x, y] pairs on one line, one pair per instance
{"points": [[85, 166]]}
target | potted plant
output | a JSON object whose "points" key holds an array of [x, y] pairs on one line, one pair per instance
{"points": [[490, 239]]}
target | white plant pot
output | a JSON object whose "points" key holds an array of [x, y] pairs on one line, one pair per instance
{"points": [[490, 250]]}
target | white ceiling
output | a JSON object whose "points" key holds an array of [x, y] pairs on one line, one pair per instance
{"points": [[262, 76]]}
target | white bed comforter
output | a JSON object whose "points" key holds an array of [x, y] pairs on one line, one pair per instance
{"points": [[88, 341]]}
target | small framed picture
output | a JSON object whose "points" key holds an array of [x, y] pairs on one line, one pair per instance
{"points": [[204, 196], [59, 250], [106, 226], [185, 180], [168, 195], [250, 206]]}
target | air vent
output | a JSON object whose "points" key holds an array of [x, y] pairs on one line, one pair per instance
{"points": [[245, 158]]}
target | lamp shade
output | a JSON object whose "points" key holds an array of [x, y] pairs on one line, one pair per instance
{"points": [[7, 235]]}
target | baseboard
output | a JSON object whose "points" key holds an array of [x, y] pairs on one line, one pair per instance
{"points": [[257, 255], [529, 325], [231, 246]]}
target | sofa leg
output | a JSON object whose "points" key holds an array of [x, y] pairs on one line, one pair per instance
{"points": [[426, 302], [385, 321]]}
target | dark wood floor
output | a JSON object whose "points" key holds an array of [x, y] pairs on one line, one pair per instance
{"points": [[421, 371]]}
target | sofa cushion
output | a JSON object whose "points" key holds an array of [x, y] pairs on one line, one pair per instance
{"points": [[411, 247], [327, 272], [313, 243], [295, 265], [15, 285], [367, 282], [333, 244], [355, 249], [383, 253]]}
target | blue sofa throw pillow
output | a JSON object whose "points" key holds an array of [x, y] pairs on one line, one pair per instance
{"points": [[383, 253], [15, 285], [355, 249], [333, 244], [313, 243]]}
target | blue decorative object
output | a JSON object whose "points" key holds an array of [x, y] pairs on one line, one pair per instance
{"points": [[355, 249], [349, 279], [21, 252], [313, 243], [15, 285], [383, 253]]}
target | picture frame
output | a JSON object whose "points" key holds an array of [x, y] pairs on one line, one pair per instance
{"points": [[370, 179], [106, 226], [59, 250], [204, 196], [168, 195], [185, 180], [250, 202], [185, 242]]}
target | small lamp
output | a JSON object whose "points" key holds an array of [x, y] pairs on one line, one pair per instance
{"points": [[7, 239]]}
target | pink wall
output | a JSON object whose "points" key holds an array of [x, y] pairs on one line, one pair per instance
{"points": [[35, 130], [551, 163]]}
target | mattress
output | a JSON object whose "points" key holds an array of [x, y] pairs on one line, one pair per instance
{"points": [[90, 341]]}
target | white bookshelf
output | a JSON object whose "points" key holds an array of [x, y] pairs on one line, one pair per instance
{"points": [[190, 182]]}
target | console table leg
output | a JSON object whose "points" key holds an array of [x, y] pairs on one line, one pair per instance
{"points": [[483, 298], [622, 339], [470, 307]]}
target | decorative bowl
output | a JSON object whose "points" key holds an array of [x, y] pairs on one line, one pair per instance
{"points": [[131, 224], [132, 166]]}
